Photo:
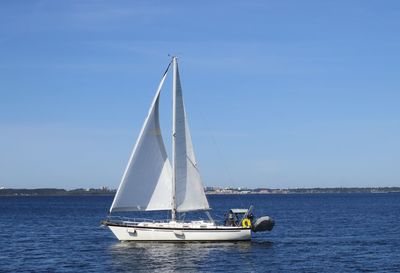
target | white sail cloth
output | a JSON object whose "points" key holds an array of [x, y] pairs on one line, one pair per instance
{"points": [[146, 183], [189, 189]]}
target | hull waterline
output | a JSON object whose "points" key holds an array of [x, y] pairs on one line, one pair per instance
{"points": [[140, 233]]}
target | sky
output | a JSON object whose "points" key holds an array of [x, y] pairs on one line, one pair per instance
{"points": [[279, 94]]}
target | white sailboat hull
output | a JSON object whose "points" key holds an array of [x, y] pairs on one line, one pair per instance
{"points": [[154, 233]]}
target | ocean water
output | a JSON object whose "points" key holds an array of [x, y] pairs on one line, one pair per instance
{"points": [[313, 233]]}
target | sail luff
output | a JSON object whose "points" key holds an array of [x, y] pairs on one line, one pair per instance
{"points": [[153, 113]]}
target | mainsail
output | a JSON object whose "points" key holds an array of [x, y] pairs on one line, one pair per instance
{"points": [[189, 190], [146, 183]]}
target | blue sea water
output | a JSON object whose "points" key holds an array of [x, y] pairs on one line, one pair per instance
{"points": [[313, 233]]}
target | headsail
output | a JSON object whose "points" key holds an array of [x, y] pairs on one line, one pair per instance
{"points": [[189, 190], [146, 183]]}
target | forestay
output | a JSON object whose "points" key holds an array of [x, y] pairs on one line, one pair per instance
{"points": [[146, 183]]}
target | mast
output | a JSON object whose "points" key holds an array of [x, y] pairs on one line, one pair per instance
{"points": [[175, 68]]}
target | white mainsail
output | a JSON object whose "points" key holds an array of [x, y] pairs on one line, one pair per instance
{"points": [[146, 183], [189, 189]]}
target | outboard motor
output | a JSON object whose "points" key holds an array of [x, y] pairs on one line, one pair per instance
{"points": [[262, 224], [246, 219]]}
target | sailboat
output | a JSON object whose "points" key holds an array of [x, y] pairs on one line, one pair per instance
{"points": [[151, 183]]}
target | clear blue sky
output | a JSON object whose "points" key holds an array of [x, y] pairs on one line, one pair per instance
{"points": [[278, 93]]}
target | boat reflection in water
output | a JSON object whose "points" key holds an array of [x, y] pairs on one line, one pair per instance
{"points": [[182, 257]]}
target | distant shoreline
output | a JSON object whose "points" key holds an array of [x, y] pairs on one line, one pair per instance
{"points": [[56, 192], [104, 191]]}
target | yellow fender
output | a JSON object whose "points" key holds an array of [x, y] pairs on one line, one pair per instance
{"points": [[246, 223]]}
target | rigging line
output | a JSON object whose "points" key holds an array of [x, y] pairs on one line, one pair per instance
{"points": [[221, 159], [218, 152]]}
